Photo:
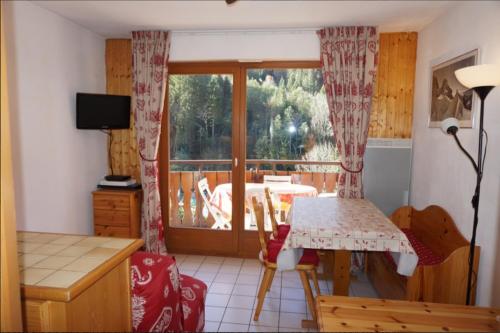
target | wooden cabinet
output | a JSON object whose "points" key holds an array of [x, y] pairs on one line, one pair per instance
{"points": [[117, 213], [90, 294]]}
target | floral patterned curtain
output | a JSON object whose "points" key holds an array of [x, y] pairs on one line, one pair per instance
{"points": [[150, 50], [349, 65]]}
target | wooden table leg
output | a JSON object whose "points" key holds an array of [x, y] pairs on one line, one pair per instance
{"points": [[341, 272]]}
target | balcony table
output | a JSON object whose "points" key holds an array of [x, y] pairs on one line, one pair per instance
{"points": [[343, 225], [222, 198]]}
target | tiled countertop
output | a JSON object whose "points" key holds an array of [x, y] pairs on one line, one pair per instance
{"points": [[60, 261]]}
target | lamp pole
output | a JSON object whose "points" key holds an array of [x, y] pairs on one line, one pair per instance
{"points": [[482, 92]]}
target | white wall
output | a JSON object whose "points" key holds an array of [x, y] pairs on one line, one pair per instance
{"points": [[300, 44], [56, 165], [441, 173]]}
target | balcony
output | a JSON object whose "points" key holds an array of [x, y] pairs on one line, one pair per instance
{"points": [[186, 203]]}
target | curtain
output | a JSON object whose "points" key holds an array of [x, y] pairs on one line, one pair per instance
{"points": [[150, 50], [349, 65]]}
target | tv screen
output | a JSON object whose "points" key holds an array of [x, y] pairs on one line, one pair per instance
{"points": [[98, 111]]}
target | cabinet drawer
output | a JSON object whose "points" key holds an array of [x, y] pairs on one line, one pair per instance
{"points": [[112, 217], [108, 201], [111, 231]]}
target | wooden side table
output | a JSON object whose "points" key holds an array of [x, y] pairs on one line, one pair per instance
{"points": [[117, 213]]}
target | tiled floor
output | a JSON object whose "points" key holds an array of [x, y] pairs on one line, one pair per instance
{"points": [[232, 289]]}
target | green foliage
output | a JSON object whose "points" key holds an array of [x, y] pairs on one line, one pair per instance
{"points": [[287, 116]]}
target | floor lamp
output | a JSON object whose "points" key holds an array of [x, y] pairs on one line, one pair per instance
{"points": [[482, 79]]}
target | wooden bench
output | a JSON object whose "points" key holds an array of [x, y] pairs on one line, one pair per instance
{"points": [[356, 314], [442, 276]]}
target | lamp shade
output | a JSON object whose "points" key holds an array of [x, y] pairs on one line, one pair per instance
{"points": [[479, 75]]}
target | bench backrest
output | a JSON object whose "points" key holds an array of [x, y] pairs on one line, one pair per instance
{"points": [[433, 226]]}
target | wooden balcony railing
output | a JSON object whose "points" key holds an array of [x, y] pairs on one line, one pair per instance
{"points": [[186, 203]]}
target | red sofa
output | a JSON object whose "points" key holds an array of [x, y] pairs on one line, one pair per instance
{"points": [[162, 299]]}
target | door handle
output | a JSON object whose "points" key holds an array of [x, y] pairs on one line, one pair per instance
{"points": [[235, 162]]}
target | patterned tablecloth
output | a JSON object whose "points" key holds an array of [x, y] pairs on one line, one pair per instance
{"points": [[343, 224]]}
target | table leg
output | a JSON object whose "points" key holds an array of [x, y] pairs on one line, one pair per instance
{"points": [[341, 272]]}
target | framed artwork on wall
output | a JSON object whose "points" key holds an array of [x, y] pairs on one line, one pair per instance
{"points": [[449, 98]]}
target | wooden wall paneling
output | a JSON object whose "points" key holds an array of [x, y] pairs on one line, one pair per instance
{"points": [[392, 104], [119, 82], [10, 301]]}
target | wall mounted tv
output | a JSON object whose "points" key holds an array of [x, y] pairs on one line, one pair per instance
{"points": [[98, 111]]}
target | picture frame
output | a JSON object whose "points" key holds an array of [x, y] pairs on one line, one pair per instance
{"points": [[449, 98]]}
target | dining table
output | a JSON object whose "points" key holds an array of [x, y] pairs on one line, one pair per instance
{"points": [[283, 192], [342, 226]]}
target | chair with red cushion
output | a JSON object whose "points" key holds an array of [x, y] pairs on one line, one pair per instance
{"points": [[269, 253], [280, 231], [163, 300]]}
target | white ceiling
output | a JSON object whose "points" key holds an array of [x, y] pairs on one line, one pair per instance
{"points": [[118, 18]]}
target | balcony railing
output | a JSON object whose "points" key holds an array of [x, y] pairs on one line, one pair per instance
{"points": [[186, 203]]}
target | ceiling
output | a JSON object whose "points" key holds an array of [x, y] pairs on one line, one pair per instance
{"points": [[118, 18]]}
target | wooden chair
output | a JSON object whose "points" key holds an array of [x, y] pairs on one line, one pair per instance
{"points": [[269, 253], [280, 231], [221, 221]]}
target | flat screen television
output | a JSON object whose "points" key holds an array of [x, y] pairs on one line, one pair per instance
{"points": [[99, 111]]}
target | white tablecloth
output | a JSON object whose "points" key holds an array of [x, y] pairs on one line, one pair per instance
{"points": [[222, 195], [343, 224]]}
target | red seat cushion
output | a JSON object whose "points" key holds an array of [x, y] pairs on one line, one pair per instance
{"points": [[310, 257], [283, 230], [193, 297], [425, 255]]}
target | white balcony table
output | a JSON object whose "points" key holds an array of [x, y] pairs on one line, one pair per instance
{"points": [[343, 225], [222, 195]]}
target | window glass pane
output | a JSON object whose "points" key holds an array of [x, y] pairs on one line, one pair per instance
{"points": [[288, 121], [200, 108]]}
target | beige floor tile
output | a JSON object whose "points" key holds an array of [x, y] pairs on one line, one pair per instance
{"points": [[29, 259], [293, 293], [291, 320], [229, 327], [75, 251], [31, 276], [211, 326], [245, 289], [270, 304], [267, 318], [85, 264], [101, 252], [221, 288], [254, 328], [225, 278], [248, 279], [61, 279], [293, 306], [54, 262], [217, 300], [237, 316], [241, 302], [214, 260], [213, 313], [209, 267], [67, 240], [50, 249]]}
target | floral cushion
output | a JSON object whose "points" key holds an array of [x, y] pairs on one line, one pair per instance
{"points": [[425, 255], [156, 293], [194, 293]]}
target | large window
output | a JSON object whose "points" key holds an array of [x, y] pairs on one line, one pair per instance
{"points": [[287, 131]]}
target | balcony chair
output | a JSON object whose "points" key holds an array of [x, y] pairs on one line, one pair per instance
{"points": [[270, 179], [221, 221], [270, 249]]}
